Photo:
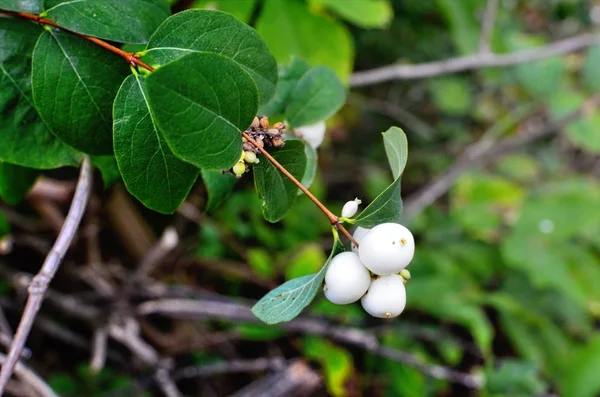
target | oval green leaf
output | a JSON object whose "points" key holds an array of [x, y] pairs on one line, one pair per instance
{"points": [[387, 207], [201, 102], [219, 187], [15, 182], [289, 76], [24, 138], [150, 170], [32, 6], [276, 192], [125, 21], [221, 33], [317, 96], [287, 301], [290, 29], [74, 85]]}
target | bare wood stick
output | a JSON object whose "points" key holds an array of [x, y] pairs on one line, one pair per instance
{"points": [[32, 379], [471, 62], [233, 311], [99, 349], [41, 281], [487, 26]]}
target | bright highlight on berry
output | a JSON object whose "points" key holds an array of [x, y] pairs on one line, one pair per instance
{"points": [[386, 297], [346, 280], [387, 248], [385, 251]]}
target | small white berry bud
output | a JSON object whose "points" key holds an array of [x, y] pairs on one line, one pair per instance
{"points": [[350, 208]]}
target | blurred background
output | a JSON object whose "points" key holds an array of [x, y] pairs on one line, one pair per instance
{"points": [[501, 192]]}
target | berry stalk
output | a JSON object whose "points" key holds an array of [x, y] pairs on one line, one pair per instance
{"points": [[333, 219]]}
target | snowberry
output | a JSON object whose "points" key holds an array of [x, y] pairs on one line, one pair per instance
{"points": [[239, 168], [359, 233], [346, 279], [386, 297], [313, 134], [387, 248], [350, 208]]}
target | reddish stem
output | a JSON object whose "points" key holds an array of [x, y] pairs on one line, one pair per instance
{"points": [[333, 219], [130, 57]]}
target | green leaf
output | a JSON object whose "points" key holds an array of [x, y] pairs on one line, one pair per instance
{"points": [[4, 226], [387, 207], [464, 28], [74, 93], [337, 363], [200, 103], [310, 172], [289, 30], [31, 6], [217, 32], [24, 138], [317, 96], [241, 9], [514, 378], [309, 259], [289, 76], [219, 187], [539, 78], [125, 21], [15, 182], [362, 13], [451, 95], [580, 377], [591, 77], [287, 301], [150, 170], [108, 169], [276, 192]]}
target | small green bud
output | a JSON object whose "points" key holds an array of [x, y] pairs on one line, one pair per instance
{"points": [[239, 169]]}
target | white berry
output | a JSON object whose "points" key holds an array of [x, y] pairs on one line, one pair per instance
{"points": [[350, 208], [386, 297], [346, 279], [359, 233], [387, 248], [313, 134]]}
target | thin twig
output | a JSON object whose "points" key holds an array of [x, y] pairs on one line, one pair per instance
{"points": [[41, 281], [30, 378], [130, 57], [237, 312], [470, 62], [487, 26], [483, 152], [99, 349], [333, 219]]}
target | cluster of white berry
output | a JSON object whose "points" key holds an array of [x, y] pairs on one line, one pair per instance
{"points": [[375, 271]]}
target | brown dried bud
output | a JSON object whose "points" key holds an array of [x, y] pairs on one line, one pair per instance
{"points": [[277, 142], [255, 123], [264, 122], [259, 143], [248, 146], [273, 132], [279, 125]]}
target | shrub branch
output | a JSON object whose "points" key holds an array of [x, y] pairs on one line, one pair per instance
{"points": [[40, 283]]}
